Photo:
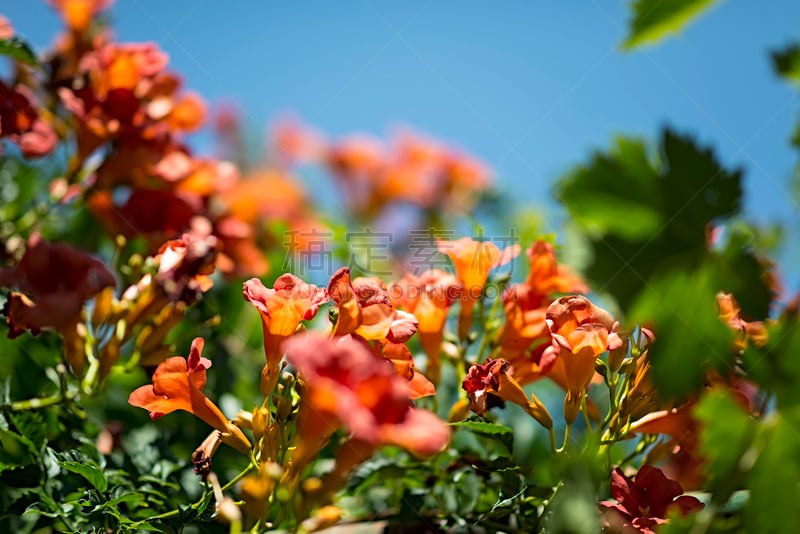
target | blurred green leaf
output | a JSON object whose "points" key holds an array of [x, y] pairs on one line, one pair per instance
{"points": [[773, 482], [727, 432], [655, 19], [775, 366], [646, 217], [787, 62], [690, 337], [19, 50], [500, 433]]}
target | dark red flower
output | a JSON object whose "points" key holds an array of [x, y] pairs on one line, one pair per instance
{"points": [[643, 503], [54, 280], [20, 122], [494, 378]]}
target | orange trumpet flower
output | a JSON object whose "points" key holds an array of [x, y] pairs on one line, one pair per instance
{"points": [[581, 332], [473, 260], [346, 385], [282, 308], [178, 384], [429, 297]]}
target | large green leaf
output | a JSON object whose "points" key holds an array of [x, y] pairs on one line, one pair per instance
{"points": [[727, 432], [773, 482], [690, 337], [655, 19], [646, 216]]}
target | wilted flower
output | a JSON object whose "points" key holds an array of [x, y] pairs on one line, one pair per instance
{"points": [[494, 378], [643, 504], [581, 332], [281, 308], [178, 384]]}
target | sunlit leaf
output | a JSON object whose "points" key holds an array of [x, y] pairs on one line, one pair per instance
{"points": [[19, 50], [655, 19]]}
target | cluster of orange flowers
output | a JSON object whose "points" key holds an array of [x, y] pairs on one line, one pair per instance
{"points": [[357, 380], [413, 169]]}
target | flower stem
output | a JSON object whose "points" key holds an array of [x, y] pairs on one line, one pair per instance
{"points": [[198, 504], [567, 433]]}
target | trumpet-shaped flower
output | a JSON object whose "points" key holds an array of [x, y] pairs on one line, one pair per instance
{"points": [[547, 276], [581, 332], [525, 336], [365, 309], [730, 312], [473, 260], [429, 297], [78, 14], [346, 385], [290, 301], [403, 362], [178, 384]]}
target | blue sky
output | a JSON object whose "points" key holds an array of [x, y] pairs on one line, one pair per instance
{"points": [[529, 86]]}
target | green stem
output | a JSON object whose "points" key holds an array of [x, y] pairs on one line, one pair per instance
{"points": [[42, 402], [88, 384], [39, 402], [585, 411], [567, 433]]}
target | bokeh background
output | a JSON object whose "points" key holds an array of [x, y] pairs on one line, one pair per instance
{"points": [[530, 87]]}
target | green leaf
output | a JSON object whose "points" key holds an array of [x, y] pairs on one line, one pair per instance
{"points": [[90, 472], [776, 367], [787, 63], [646, 216], [690, 337], [31, 425], [19, 50], [774, 491], [16, 450], [740, 270], [655, 19], [727, 432], [500, 433]]}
